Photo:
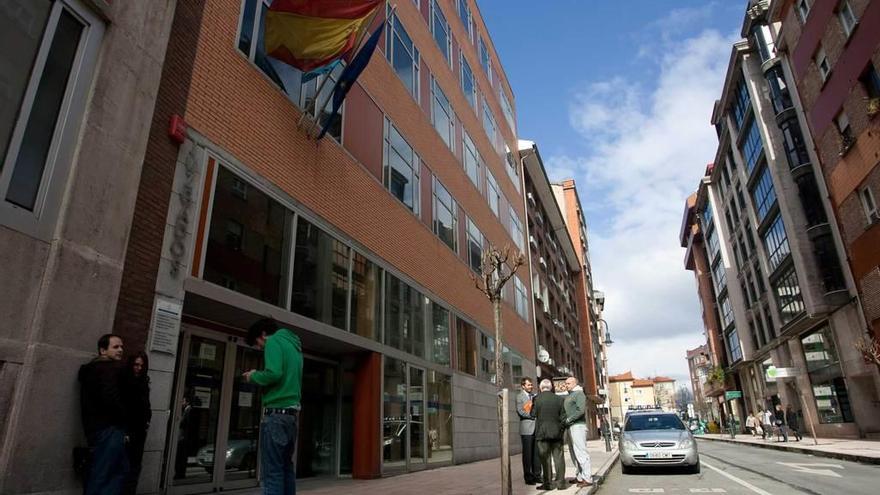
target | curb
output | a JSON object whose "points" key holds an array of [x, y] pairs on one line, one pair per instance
{"points": [[801, 450], [600, 475]]}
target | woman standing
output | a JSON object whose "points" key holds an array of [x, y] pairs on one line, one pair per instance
{"points": [[137, 398]]}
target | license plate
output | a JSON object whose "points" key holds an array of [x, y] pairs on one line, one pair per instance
{"points": [[659, 455]]}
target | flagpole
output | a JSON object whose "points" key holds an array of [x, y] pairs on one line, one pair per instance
{"points": [[313, 107]]}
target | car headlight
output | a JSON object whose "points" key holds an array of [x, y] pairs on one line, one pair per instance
{"points": [[629, 444], [228, 453], [686, 443]]}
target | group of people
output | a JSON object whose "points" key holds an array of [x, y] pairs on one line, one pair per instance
{"points": [[115, 401], [778, 423], [116, 413], [547, 421]]}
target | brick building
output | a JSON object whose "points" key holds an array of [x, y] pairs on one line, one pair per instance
{"points": [[832, 53], [699, 365], [784, 296]]}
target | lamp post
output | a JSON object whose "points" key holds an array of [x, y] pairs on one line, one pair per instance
{"points": [[606, 425]]}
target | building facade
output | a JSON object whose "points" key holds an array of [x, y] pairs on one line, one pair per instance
{"points": [[699, 364], [664, 392], [832, 56], [783, 294], [620, 395], [80, 81]]}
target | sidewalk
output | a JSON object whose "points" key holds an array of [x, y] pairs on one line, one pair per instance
{"points": [[866, 451], [472, 478]]}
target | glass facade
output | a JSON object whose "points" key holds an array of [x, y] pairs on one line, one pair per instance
{"points": [[404, 317], [319, 287], [401, 169], [752, 146], [793, 142], [468, 87], [471, 160], [366, 290], [779, 92], [439, 395], [445, 216], [763, 194], [733, 345], [742, 104], [441, 114], [475, 243], [776, 243], [789, 300], [438, 344], [826, 377], [440, 30], [403, 54], [465, 347]]}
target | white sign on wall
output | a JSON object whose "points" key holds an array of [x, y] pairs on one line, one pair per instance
{"points": [[166, 327]]}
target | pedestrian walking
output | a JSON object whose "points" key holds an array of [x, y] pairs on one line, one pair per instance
{"points": [[549, 411], [791, 419], [524, 408], [779, 422], [575, 421], [282, 380], [751, 424], [137, 400], [104, 417], [767, 423]]}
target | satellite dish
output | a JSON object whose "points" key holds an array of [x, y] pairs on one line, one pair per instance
{"points": [[543, 356]]}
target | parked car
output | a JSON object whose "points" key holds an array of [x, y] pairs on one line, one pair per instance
{"points": [[240, 454], [656, 438]]}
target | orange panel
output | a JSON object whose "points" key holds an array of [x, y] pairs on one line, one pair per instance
{"points": [[366, 463]]}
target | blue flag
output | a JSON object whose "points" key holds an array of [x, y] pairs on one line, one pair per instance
{"points": [[350, 74]]}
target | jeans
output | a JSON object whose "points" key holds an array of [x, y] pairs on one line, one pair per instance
{"points": [[530, 460], [578, 451], [277, 444], [109, 462], [552, 450], [135, 452]]}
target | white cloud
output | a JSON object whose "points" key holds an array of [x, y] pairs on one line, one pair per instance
{"points": [[648, 149]]}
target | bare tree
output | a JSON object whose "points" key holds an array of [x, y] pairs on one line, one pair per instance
{"points": [[869, 347], [497, 267]]}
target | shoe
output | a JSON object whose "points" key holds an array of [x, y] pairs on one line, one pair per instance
{"points": [[545, 487], [562, 486], [584, 484], [573, 480], [531, 482]]}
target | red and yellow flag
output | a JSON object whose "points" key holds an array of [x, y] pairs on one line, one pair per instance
{"points": [[308, 34]]}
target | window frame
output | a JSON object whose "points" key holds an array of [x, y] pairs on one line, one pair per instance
{"points": [[803, 8], [415, 167], [775, 240], [869, 205], [452, 208], [40, 221], [437, 100], [470, 148], [493, 191], [849, 25], [393, 24], [485, 58], [474, 235], [515, 222], [435, 11], [468, 22], [821, 59], [470, 97]]}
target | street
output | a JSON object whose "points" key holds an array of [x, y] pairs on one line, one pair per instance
{"points": [[748, 470]]}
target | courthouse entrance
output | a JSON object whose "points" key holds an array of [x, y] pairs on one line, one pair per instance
{"points": [[214, 441]]}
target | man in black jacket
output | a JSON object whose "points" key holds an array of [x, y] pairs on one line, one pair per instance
{"points": [[549, 414], [103, 417]]}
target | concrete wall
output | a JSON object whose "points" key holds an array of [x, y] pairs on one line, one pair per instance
{"points": [[475, 431], [65, 288]]}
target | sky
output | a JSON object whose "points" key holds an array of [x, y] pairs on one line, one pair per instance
{"points": [[618, 95]]}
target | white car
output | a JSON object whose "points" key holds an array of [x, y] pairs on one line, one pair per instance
{"points": [[657, 438]]}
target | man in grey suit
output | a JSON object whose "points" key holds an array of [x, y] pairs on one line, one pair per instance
{"points": [[549, 414], [530, 461]]}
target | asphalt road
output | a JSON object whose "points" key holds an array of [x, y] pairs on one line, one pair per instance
{"points": [[741, 469]]}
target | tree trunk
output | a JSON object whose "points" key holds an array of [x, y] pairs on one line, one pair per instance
{"points": [[503, 436]]}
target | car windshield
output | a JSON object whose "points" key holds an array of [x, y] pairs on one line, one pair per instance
{"points": [[654, 422]]}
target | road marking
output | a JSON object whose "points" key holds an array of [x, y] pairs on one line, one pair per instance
{"points": [[708, 490], [806, 468], [646, 490], [737, 480]]}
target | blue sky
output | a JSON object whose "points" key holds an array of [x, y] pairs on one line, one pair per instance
{"points": [[618, 96]]}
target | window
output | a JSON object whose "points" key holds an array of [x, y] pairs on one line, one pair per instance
{"points": [[741, 104], [847, 17], [441, 114], [776, 243], [487, 357], [445, 215], [826, 377], [726, 311], [788, 295], [440, 30], [288, 78], [438, 344], [309, 99], [510, 160], [752, 146], [465, 347], [475, 243], [464, 13], [763, 195], [403, 54], [712, 242], [506, 108], [319, 287], [246, 241], [822, 64], [846, 134], [516, 229], [366, 290], [779, 92], [404, 317], [870, 205], [485, 63], [50, 51], [522, 301], [439, 416], [719, 275], [764, 42], [803, 8], [471, 159], [467, 83], [493, 193], [401, 168], [489, 125], [870, 80], [733, 344], [793, 142]]}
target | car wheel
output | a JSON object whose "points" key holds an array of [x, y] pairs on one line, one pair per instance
{"points": [[695, 469], [626, 469]]}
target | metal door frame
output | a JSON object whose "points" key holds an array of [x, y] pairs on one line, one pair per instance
{"points": [[409, 464]]}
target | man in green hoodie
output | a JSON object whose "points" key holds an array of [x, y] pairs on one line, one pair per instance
{"points": [[282, 380]]}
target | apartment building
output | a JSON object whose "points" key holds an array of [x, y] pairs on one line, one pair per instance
{"points": [[79, 86], [699, 365], [832, 57], [664, 392], [783, 294]]}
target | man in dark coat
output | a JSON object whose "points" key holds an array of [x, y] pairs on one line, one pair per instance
{"points": [[791, 419], [104, 417], [549, 415]]}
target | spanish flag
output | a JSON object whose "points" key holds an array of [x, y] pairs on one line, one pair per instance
{"points": [[308, 34]]}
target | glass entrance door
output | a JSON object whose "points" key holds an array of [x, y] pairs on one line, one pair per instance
{"points": [[403, 438]]}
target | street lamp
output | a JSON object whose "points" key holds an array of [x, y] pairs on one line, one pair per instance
{"points": [[608, 340]]}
